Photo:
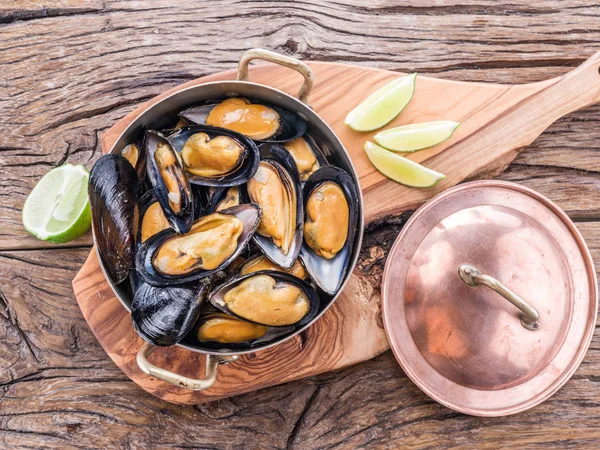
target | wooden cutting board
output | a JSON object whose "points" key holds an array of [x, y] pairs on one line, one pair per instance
{"points": [[497, 121]]}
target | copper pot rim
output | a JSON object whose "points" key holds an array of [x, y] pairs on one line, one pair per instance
{"points": [[415, 369]]}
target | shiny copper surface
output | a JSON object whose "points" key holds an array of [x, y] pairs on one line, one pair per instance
{"points": [[465, 346]]}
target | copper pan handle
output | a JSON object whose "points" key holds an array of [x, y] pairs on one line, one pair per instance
{"points": [[473, 277], [212, 366], [266, 55]]}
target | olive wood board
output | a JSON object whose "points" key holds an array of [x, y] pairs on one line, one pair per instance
{"points": [[497, 121]]}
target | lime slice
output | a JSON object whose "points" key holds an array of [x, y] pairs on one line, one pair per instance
{"points": [[401, 169], [58, 209], [417, 136], [383, 105]]}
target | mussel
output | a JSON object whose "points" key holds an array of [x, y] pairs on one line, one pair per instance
{"points": [[224, 198], [169, 180], [270, 298], [306, 155], [164, 315], [331, 213], [225, 329], [275, 188], [259, 263], [112, 189], [134, 153], [215, 156], [210, 245], [153, 219], [259, 122]]}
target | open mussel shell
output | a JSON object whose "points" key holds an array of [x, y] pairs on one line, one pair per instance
{"points": [[135, 153], [225, 197], [248, 215], [243, 169], [271, 298], [163, 316], [112, 189], [215, 330], [169, 180], [290, 125], [329, 274], [307, 156], [277, 158]]}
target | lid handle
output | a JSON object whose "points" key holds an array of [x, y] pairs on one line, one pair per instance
{"points": [[473, 277]]}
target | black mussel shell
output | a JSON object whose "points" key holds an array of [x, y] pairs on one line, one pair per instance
{"points": [[217, 294], [201, 200], [163, 316], [250, 156], [291, 126], [283, 162], [272, 333], [182, 220], [140, 163], [112, 189], [329, 274], [248, 214], [221, 194]]}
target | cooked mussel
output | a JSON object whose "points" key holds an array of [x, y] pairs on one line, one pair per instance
{"points": [[275, 188], [306, 155], [112, 189], [268, 298], [210, 245], [135, 154], [164, 315], [153, 219], [226, 329], [259, 263], [214, 156], [170, 182], [331, 213], [259, 122], [224, 198]]}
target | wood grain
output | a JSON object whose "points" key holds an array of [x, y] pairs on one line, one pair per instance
{"points": [[68, 75], [497, 122]]}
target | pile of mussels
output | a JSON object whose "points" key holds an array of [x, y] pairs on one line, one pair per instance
{"points": [[231, 228]]}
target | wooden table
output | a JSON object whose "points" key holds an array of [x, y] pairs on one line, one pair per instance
{"points": [[71, 68]]}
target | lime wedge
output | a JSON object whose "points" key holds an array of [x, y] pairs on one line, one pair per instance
{"points": [[417, 136], [401, 169], [383, 105], [57, 209]]}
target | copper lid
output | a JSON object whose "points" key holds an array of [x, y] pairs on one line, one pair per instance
{"points": [[489, 298]]}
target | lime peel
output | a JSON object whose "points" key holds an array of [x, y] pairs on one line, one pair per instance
{"points": [[382, 106], [401, 169], [57, 209], [416, 136]]}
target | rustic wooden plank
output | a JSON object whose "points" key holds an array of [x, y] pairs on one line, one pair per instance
{"points": [[132, 54], [72, 395], [120, 51]]}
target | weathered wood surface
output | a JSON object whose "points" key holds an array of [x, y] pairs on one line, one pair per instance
{"points": [[71, 68], [497, 122]]}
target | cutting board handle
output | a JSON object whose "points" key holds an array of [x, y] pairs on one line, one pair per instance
{"points": [[581, 86]]}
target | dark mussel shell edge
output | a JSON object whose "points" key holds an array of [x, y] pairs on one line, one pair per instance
{"points": [[182, 220], [248, 214], [216, 295], [283, 161], [292, 125], [250, 156], [329, 274]]}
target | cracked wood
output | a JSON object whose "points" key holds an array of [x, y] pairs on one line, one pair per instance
{"points": [[80, 65]]}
